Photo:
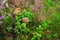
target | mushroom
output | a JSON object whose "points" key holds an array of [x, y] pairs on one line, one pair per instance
{"points": [[17, 11], [25, 20]]}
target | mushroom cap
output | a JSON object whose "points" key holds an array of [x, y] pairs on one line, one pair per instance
{"points": [[25, 20], [17, 11]]}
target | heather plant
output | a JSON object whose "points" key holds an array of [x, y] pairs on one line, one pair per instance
{"points": [[37, 7]]}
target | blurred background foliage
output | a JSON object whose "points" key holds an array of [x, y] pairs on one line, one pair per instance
{"points": [[30, 20]]}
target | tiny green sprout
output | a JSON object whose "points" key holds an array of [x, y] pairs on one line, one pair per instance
{"points": [[33, 38], [39, 26], [16, 31], [8, 29], [55, 34]]}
